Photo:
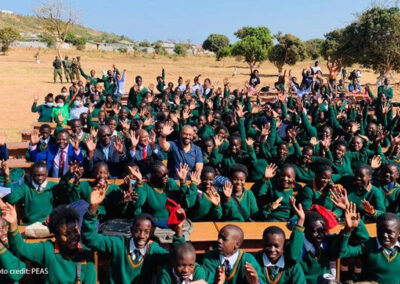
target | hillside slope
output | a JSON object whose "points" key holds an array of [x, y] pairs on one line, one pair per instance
{"points": [[30, 24]]}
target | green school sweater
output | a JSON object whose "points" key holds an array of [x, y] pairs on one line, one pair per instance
{"points": [[110, 207], [310, 195], [304, 173], [200, 207], [246, 201], [292, 272], [342, 166], [387, 91], [45, 112], [123, 269], [222, 158], [37, 205], [60, 270], [211, 261], [205, 132], [376, 264], [153, 200], [167, 276], [391, 196], [64, 112], [10, 263]]}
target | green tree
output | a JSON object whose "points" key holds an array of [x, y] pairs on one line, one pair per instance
{"points": [[313, 47], [144, 43], [288, 50], [159, 49], [330, 46], [180, 49], [253, 45], [373, 40], [7, 36], [215, 42], [223, 52], [49, 39]]}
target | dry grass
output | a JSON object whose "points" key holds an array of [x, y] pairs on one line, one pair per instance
{"points": [[21, 78]]}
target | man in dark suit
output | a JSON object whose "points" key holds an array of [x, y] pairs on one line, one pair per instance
{"points": [[110, 152], [144, 150], [57, 156]]}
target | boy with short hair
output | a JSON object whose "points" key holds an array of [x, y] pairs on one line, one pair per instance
{"points": [[228, 263]]}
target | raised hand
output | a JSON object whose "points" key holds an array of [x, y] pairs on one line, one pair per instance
{"points": [[116, 108], [93, 132], [227, 189], [352, 218], [35, 137], [60, 117], [195, 177], [129, 195], [274, 205], [90, 108], [75, 143], [218, 140], [265, 130], [376, 162], [213, 196], [134, 140], [36, 98], [270, 171], [6, 169], [90, 144], [186, 114], [167, 129], [119, 146], [314, 141], [73, 167], [250, 142], [125, 125], [136, 173], [220, 276], [97, 196], [339, 196], [239, 111], [355, 127], [9, 214], [367, 207], [133, 112], [298, 210], [182, 171], [326, 143], [251, 274]]}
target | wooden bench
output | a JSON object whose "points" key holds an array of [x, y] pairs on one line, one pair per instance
{"points": [[17, 150], [53, 125], [19, 163]]}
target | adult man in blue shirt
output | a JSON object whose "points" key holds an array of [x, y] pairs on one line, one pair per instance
{"points": [[182, 151]]}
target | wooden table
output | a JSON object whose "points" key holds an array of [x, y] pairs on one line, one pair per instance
{"points": [[203, 236], [19, 163], [17, 150]]}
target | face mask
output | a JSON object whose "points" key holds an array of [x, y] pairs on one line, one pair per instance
{"points": [[77, 103], [49, 104], [64, 94], [60, 104]]}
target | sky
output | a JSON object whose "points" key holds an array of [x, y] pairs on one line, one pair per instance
{"points": [[187, 19]]}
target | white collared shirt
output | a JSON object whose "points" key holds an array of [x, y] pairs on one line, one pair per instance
{"points": [[280, 263], [232, 259], [388, 251], [178, 280], [56, 162], [132, 249], [309, 246], [39, 187]]}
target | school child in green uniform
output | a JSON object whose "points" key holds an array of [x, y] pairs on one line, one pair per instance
{"points": [[380, 255], [318, 191], [62, 261], [81, 190], [45, 110], [153, 195], [341, 158], [202, 199], [360, 189], [387, 183], [132, 260], [8, 261], [37, 193], [238, 203], [228, 263], [275, 258], [184, 268], [276, 193]]}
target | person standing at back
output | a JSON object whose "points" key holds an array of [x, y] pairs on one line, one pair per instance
{"points": [[57, 64]]}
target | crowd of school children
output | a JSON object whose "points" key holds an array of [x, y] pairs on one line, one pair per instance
{"points": [[311, 156]]}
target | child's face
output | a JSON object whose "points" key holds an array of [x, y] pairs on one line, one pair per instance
{"points": [[141, 233], [357, 144], [39, 175], [362, 178], [286, 178], [207, 181], [339, 152], [388, 233], [238, 180], [390, 174], [228, 242], [323, 179], [282, 151], [315, 233], [307, 154], [208, 146], [45, 133], [184, 265], [273, 246], [68, 236], [101, 173], [235, 146]]}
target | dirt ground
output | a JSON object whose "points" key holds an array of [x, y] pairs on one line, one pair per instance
{"points": [[21, 78]]}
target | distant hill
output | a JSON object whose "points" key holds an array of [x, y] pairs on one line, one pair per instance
{"points": [[31, 25]]}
